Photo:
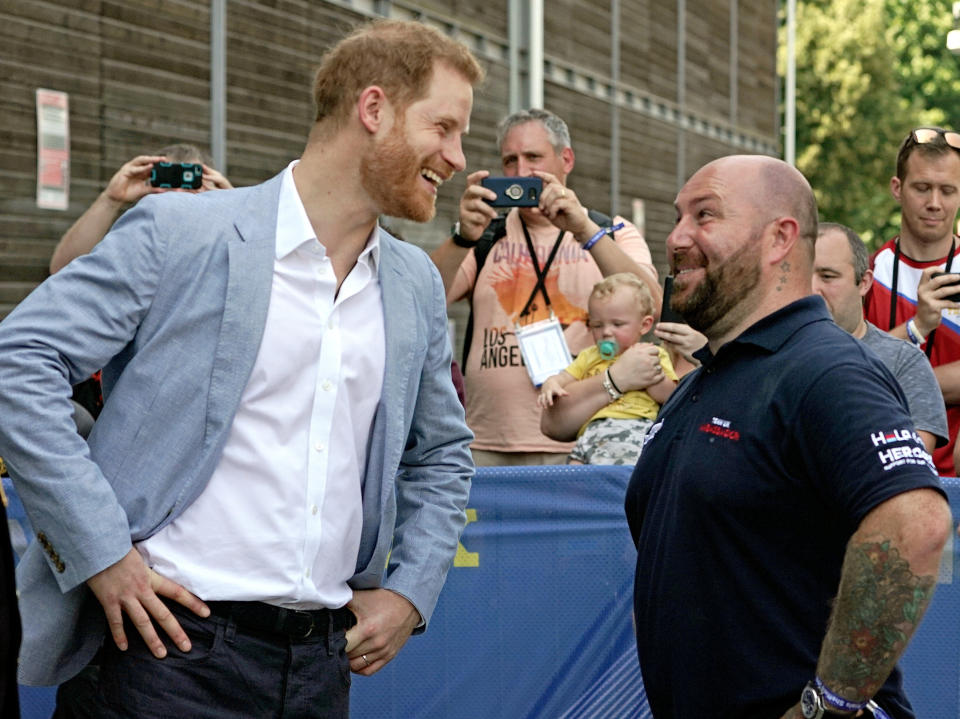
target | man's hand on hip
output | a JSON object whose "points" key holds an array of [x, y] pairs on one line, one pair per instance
{"points": [[385, 620], [132, 587]]}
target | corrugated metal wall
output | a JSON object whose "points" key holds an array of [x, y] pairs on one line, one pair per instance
{"points": [[138, 75]]}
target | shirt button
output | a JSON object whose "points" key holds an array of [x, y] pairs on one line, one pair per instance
{"points": [[695, 398], [319, 446], [327, 385], [306, 572], [314, 509]]}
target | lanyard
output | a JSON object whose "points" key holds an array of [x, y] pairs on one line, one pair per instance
{"points": [[893, 287], [541, 274]]}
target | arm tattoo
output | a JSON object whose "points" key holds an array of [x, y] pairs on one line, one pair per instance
{"points": [[880, 604]]}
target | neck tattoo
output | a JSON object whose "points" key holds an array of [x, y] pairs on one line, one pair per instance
{"points": [[785, 268]]}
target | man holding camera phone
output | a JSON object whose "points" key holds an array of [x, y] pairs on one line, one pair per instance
{"points": [[487, 260], [273, 493], [916, 273], [128, 185]]}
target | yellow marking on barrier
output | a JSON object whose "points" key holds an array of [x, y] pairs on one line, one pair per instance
{"points": [[463, 557]]}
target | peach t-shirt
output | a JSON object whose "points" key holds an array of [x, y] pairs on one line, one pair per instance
{"points": [[501, 401]]}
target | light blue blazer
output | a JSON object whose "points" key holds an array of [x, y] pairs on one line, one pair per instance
{"points": [[172, 305]]}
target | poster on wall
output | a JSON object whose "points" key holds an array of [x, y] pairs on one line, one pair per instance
{"points": [[53, 149]]}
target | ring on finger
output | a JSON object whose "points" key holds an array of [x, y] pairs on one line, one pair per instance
{"points": [[365, 660]]}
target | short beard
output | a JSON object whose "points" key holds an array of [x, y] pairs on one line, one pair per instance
{"points": [[390, 173], [724, 288]]}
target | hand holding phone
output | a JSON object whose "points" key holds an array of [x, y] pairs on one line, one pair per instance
{"points": [[514, 191], [666, 313], [955, 297], [171, 175]]}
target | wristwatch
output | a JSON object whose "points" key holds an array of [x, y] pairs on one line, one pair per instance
{"points": [[812, 705], [458, 239]]}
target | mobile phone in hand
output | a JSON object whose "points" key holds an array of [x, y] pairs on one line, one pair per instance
{"points": [[188, 175], [667, 314], [955, 297], [514, 191]]}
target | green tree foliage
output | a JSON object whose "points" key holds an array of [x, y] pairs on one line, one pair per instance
{"points": [[868, 71], [927, 72]]}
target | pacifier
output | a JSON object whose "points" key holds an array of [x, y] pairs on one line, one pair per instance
{"points": [[608, 349]]}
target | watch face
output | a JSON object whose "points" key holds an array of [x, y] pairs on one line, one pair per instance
{"points": [[810, 703]]}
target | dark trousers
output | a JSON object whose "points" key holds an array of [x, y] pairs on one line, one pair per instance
{"points": [[232, 672], [9, 626]]}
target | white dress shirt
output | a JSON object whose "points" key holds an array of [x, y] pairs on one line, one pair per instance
{"points": [[280, 519]]}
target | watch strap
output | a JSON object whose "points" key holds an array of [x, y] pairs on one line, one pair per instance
{"points": [[608, 385], [827, 714], [813, 705], [458, 239], [832, 700]]}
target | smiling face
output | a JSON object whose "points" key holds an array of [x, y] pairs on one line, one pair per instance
{"points": [[422, 148], [619, 317], [713, 251], [929, 196]]}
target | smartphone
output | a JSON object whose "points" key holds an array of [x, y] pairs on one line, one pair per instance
{"points": [[955, 297], [188, 175], [666, 313], [514, 191]]}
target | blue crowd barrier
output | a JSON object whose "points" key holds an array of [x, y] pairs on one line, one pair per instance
{"points": [[534, 620]]}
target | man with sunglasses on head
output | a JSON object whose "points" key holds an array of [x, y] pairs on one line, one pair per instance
{"points": [[910, 297]]}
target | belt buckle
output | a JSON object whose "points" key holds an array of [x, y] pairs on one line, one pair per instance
{"points": [[303, 618]]}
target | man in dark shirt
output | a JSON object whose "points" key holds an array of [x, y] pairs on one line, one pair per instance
{"points": [[766, 495]]}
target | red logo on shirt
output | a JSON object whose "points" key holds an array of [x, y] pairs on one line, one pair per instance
{"points": [[720, 428]]}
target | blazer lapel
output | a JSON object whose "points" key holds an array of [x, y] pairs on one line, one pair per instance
{"points": [[400, 328], [249, 280]]}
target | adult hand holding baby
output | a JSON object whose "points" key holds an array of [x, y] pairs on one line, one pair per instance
{"points": [[637, 368]]}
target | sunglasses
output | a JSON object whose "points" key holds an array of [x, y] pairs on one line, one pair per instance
{"points": [[926, 135]]}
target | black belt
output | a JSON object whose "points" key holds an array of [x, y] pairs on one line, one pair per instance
{"points": [[280, 622]]}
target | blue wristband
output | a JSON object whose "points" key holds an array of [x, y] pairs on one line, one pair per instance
{"points": [[600, 233], [836, 701], [913, 335]]}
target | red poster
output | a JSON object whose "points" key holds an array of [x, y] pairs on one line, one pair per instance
{"points": [[53, 149]]}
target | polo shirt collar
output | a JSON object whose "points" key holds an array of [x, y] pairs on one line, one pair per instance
{"points": [[772, 332]]}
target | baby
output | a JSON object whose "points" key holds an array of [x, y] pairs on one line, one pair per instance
{"points": [[621, 382]]}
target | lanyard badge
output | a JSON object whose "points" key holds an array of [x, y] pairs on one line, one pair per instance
{"points": [[544, 349], [542, 344]]}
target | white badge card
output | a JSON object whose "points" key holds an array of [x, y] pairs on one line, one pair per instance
{"points": [[544, 349]]}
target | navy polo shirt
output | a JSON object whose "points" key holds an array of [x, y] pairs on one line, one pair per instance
{"points": [[759, 468]]}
